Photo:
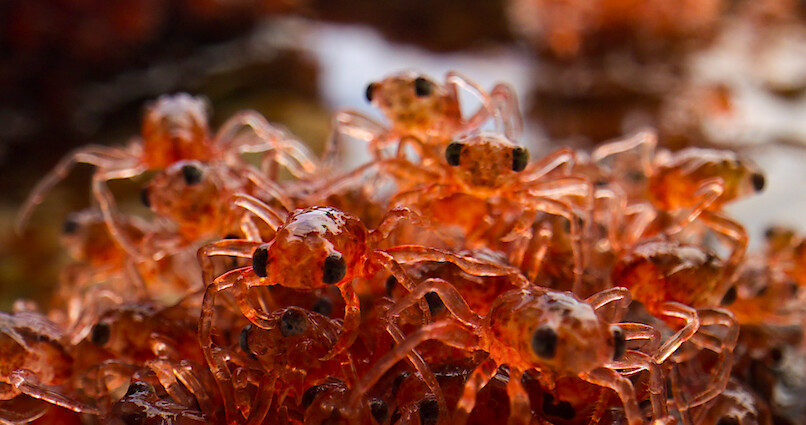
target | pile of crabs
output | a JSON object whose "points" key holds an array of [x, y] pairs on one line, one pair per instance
{"points": [[450, 279]]}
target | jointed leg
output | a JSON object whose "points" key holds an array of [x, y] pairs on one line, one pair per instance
{"points": [[447, 332], [356, 125], [721, 345], [736, 235], [217, 357], [408, 254], [447, 293], [638, 331], [226, 247], [109, 210], [609, 378], [618, 295], [25, 382], [674, 309], [422, 368], [505, 101], [99, 156], [642, 142], [477, 380], [520, 411], [269, 215]]}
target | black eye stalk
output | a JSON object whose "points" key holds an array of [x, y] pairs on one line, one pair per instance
{"points": [[520, 158], [192, 174], [100, 334], [758, 181], [544, 342], [144, 197], [294, 322], [453, 152], [260, 259], [140, 387], [370, 90], [335, 269], [423, 87], [70, 226]]}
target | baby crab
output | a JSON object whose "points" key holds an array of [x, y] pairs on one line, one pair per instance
{"points": [[553, 332], [698, 182], [34, 364], [670, 278], [425, 113], [315, 248], [485, 183], [175, 128]]}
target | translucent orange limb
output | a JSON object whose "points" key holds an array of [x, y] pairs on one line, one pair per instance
{"points": [[554, 207], [722, 345], [638, 331], [99, 156], [352, 320], [109, 210], [709, 191], [273, 218], [451, 297], [422, 368], [446, 331], [456, 81], [736, 236], [681, 311], [226, 247], [264, 137], [358, 126], [643, 142], [657, 384], [562, 159], [390, 221], [619, 297], [609, 378], [26, 382], [184, 373], [520, 410], [478, 379], [408, 254], [22, 410], [263, 400], [273, 190], [505, 100], [164, 371], [217, 357]]}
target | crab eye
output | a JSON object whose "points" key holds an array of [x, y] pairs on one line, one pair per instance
{"points": [[544, 342], [758, 181], [140, 387], [370, 89], [379, 409], [192, 174], [453, 153], [310, 394], [260, 258], [334, 269], [520, 157], [293, 322], [730, 297], [70, 226], [100, 334], [619, 343], [144, 197], [423, 87]]}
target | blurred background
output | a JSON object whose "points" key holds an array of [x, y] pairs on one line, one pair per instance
{"points": [[723, 73]]}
